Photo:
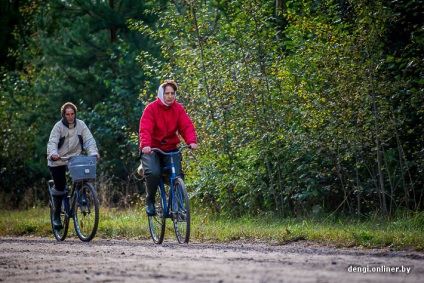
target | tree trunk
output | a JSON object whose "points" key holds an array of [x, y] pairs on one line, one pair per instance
{"points": [[383, 205]]}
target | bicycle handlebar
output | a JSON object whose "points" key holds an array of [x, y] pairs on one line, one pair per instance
{"points": [[169, 153], [62, 158], [66, 158]]}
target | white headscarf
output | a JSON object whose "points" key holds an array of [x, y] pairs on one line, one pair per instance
{"points": [[160, 94]]}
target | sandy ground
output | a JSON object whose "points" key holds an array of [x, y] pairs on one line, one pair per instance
{"points": [[46, 260]]}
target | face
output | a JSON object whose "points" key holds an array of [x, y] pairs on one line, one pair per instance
{"points": [[70, 115], [169, 95]]}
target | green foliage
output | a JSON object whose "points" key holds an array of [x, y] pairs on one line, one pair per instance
{"points": [[294, 117], [82, 52], [314, 106], [21, 163], [117, 116]]}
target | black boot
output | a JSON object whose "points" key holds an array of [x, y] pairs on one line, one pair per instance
{"points": [[57, 203], [150, 204], [150, 209], [150, 196]]}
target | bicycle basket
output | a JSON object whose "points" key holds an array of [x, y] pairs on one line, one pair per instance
{"points": [[82, 167]]}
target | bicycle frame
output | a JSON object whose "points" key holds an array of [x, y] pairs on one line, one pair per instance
{"points": [[167, 205], [173, 203], [81, 204], [69, 209]]}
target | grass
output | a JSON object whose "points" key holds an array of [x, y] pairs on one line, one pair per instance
{"points": [[403, 233]]}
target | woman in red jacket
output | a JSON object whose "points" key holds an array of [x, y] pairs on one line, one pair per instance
{"points": [[160, 124]]}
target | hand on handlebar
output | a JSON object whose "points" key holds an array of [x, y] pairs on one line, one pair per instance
{"points": [[55, 157], [149, 150], [193, 146], [146, 150]]}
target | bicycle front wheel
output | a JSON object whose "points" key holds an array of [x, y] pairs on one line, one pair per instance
{"points": [[181, 211], [86, 211], [59, 234], [157, 222]]}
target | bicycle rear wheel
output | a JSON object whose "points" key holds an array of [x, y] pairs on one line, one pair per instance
{"points": [[86, 209], [181, 211], [59, 234], [157, 222]]}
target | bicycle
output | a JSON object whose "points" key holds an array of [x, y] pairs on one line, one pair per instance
{"points": [[82, 205], [171, 201]]}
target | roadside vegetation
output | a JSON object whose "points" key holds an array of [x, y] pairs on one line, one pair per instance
{"points": [[309, 114], [401, 233]]}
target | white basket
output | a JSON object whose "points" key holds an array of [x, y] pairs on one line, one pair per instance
{"points": [[82, 167]]}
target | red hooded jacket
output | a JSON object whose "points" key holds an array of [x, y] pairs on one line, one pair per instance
{"points": [[161, 124]]}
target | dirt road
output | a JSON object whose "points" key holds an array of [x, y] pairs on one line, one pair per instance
{"points": [[46, 260]]}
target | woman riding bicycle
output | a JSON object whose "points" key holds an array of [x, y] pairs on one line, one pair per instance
{"points": [[68, 137], [160, 124]]}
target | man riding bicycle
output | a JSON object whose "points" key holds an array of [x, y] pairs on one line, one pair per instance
{"points": [[68, 137]]}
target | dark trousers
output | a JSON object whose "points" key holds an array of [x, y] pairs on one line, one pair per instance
{"points": [[152, 164], [59, 177]]}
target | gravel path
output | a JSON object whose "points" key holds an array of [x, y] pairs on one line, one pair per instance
{"points": [[46, 260]]}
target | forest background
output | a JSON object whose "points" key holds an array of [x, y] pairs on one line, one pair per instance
{"points": [[301, 107]]}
